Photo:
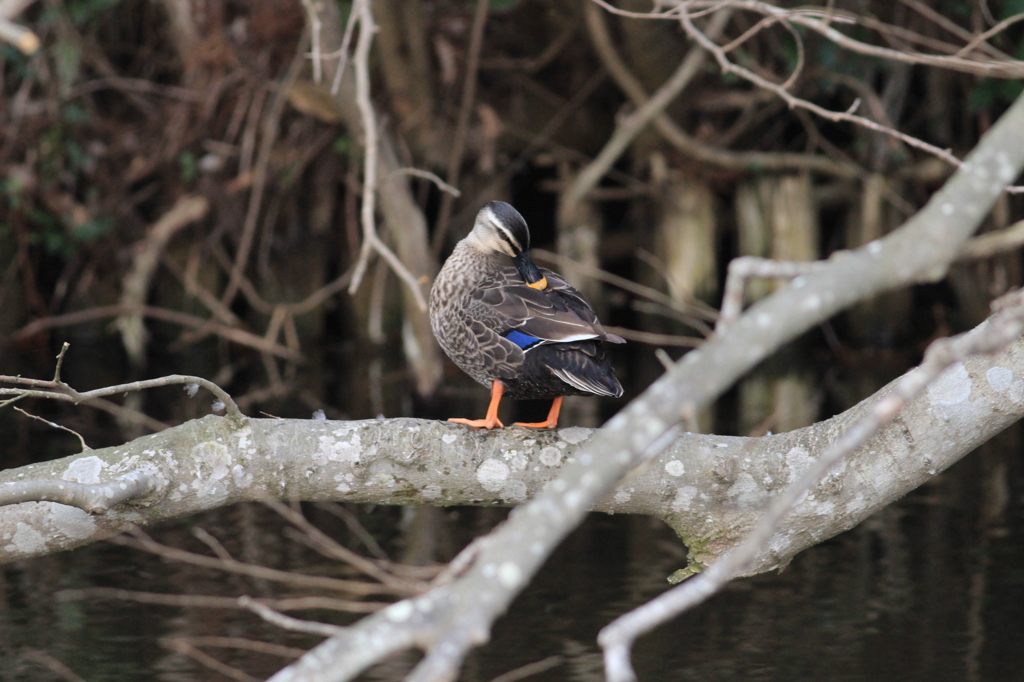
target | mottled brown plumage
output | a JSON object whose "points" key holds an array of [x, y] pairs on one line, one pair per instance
{"points": [[502, 319]]}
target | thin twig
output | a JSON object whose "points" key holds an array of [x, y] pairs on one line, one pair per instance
{"points": [[287, 622], [315, 26], [356, 528], [749, 267], [656, 339], [729, 67], [241, 643], [1005, 68], [350, 25], [210, 601], [57, 426], [530, 669], [420, 173], [631, 126], [142, 541], [183, 647], [213, 543], [333, 550], [692, 307], [61, 391], [371, 240], [52, 664], [269, 129], [993, 243], [239, 336], [19, 36], [820, 21], [145, 258]]}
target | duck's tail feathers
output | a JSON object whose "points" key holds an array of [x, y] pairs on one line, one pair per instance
{"points": [[600, 384]]}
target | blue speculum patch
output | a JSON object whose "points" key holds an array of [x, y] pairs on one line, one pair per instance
{"points": [[522, 340]]}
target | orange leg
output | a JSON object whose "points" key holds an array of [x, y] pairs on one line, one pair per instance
{"points": [[552, 420], [491, 420]]}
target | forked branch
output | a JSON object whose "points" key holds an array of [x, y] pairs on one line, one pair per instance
{"points": [[617, 639]]}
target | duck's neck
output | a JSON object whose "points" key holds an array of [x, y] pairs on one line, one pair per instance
{"points": [[474, 264]]}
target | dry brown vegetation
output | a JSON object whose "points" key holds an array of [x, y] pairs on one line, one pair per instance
{"points": [[132, 110]]}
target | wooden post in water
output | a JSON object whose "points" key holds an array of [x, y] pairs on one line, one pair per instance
{"points": [[684, 246], [777, 218], [878, 327]]}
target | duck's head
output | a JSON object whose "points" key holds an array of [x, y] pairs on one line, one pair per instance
{"points": [[500, 229]]}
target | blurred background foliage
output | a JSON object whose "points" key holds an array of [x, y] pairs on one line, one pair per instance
{"points": [[132, 105]]}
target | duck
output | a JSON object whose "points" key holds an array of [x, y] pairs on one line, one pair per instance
{"points": [[517, 329]]}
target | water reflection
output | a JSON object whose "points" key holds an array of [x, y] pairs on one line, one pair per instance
{"points": [[928, 589]]}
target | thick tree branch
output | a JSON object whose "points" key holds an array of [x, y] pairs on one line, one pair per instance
{"points": [[618, 637], [708, 488]]}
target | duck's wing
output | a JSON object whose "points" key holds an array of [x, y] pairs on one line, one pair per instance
{"points": [[527, 316], [501, 358]]}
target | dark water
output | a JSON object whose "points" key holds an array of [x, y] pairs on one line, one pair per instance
{"points": [[930, 589]]}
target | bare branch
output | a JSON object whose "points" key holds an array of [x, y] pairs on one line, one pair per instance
{"points": [[371, 241], [57, 426], [185, 648], [729, 67], [338, 552], [617, 638], [530, 669], [211, 601], [146, 257], [232, 334], [47, 661], [694, 309], [313, 17], [19, 36], [982, 38], [58, 390], [631, 126], [745, 268], [140, 540], [427, 175], [241, 643], [346, 41], [269, 125], [993, 243], [820, 21], [677, 137], [287, 622], [61, 391]]}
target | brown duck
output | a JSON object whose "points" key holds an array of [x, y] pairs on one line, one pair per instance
{"points": [[518, 329]]}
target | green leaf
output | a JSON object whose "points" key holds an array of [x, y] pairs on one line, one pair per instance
{"points": [[342, 145], [189, 166]]}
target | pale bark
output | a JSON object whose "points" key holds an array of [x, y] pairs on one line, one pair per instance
{"points": [[710, 489]]}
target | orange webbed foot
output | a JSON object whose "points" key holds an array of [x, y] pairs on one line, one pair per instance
{"points": [[552, 420], [479, 423], [491, 420], [538, 425]]}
